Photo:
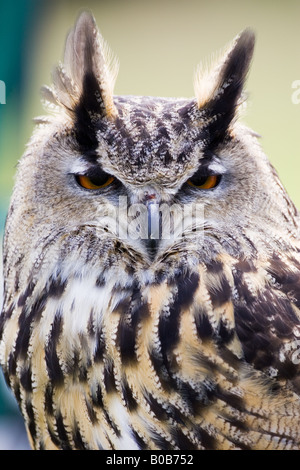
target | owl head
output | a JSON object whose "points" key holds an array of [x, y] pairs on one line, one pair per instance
{"points": [[150, 177]]}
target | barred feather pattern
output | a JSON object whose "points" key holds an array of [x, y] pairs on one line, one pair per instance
{"points": [[109, 343], [161, 364]]}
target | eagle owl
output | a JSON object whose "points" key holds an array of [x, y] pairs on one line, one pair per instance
{"points": [[151, 268]]}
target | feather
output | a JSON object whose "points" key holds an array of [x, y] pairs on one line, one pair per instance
{"points": [[87, 60], [219, 92]]}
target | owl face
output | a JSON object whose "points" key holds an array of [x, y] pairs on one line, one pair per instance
{"points": [[153, 175]]}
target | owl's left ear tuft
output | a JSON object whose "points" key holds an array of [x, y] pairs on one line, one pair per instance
{"points": [[219, 91], [83, 84]]}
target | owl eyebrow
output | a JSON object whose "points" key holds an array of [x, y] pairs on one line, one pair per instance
{"points": [[211, 164], [217, 168], [82, 166]]}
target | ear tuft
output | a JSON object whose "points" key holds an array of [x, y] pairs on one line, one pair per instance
{"points": [[86, 78], [218, 92]]}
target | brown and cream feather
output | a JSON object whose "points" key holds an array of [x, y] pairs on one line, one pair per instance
{"points": [[124, 342]]}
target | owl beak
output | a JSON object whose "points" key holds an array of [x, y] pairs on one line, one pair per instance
{"points": [[153, 220], [154, 224]]}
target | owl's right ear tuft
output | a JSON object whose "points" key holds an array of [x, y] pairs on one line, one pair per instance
{"points": [[83, 84], [219, 91]]}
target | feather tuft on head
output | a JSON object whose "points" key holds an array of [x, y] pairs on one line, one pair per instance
{"points": [[85, 80], [218, 91]]}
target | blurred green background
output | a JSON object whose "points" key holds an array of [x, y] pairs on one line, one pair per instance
{"points": [[159, 44]]}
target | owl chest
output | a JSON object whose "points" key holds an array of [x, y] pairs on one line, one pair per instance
{"points": [[114, 361], [97, 354], [94, 357], [64, 353]]}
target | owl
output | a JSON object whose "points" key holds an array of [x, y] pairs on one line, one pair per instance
{"points": [[151, 267]]}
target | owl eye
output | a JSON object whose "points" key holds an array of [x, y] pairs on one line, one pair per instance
{"points": [[204, 182], [95, 181]]}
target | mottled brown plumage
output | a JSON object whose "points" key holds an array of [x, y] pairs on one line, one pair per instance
{"points": [[116, 333]]}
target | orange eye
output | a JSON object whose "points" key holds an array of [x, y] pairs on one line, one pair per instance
{"points": [[94, 182], [207, 182]]}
